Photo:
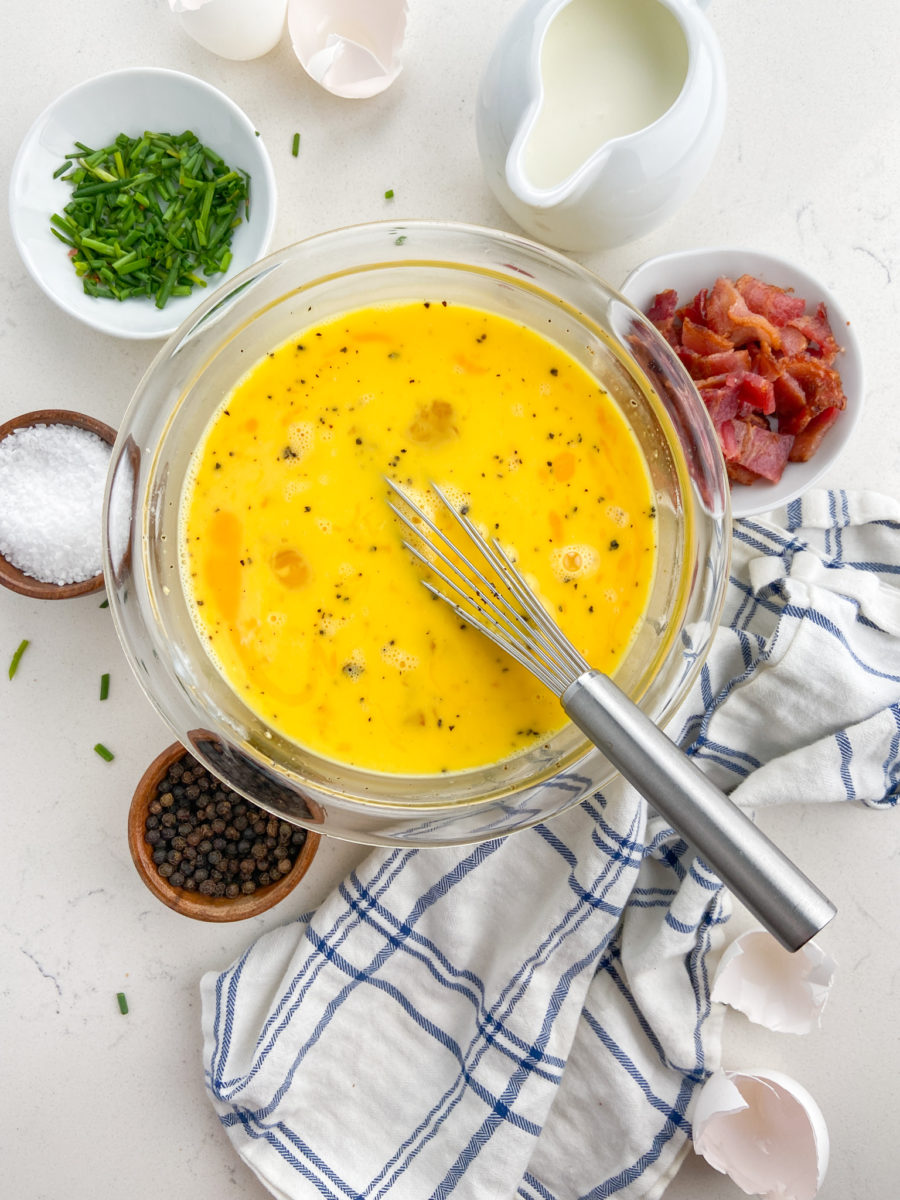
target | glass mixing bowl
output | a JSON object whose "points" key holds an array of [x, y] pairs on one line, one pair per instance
{"points": [[269, 303]]}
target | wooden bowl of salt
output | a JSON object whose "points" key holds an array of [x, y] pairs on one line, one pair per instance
{"points": [[53, 466]]}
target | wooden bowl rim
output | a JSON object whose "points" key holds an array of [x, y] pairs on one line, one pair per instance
{"points": [[191, 904], [10, 576]]}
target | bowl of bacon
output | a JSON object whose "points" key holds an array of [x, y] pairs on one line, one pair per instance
{"points": [[774, 357]]}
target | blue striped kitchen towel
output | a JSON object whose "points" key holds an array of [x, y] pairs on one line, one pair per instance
{"points": [[530, 1017]]}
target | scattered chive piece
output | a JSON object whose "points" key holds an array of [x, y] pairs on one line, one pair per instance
{"points": [[400, 240], [295, 145], [17, 657], [389, 194], [149, 214], [123, 1003], [104, 687], [105, 604], [105, 754]]}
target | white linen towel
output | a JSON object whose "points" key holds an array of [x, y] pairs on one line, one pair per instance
{"points": [[530, 1017]]}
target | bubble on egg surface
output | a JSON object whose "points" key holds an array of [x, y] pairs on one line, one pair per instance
{"points": [[617, 515], [329, 624], [576, 561], [459, 499], [355, 664], [764, 1131], [301, 437], [234, 29], [399, 658], [350, 47], [783, 991], [512, 554], [424, 500], [294, 488]]}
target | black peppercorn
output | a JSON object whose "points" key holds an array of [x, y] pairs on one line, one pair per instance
{"points": [[206, 838]]}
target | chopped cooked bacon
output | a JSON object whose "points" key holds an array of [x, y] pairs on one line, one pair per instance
{"points": [[806, 443], [790, 403], [821, 384], [816, 329], [703, 366], [662, 314], [701, 339], [663, 306], [757, 448], [757, 393], [763, 367], [696, 310], [722, 404], [793, 340], [729, 314], [778, 305]]}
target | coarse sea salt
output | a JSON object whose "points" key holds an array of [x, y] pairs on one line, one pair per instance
{"points": [[52, 479]]}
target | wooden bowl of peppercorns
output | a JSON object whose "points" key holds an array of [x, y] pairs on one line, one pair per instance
{"points": [[205, 850]]}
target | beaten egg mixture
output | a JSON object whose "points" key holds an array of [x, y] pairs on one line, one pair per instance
{"points": [[300, 587]]}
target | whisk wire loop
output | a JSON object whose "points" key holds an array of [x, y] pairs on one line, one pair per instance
{"points": [[501, 605]]}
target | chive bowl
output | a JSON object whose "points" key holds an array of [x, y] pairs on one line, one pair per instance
{"points": [[92, 115]]}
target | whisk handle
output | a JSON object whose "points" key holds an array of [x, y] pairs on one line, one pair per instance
{"points": [[773, 888]]}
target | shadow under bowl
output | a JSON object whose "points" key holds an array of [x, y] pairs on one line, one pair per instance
{"points": [[193, 904], [10, 575]]}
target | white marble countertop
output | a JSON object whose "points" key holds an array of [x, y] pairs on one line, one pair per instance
{"points": [[94, 1104]]}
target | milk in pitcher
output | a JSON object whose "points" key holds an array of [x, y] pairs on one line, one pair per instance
{"points": [[608, 68]]}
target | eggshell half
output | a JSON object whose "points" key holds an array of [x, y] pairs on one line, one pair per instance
{"points": [[764, 1131], [783, 991], [350, 47], [235, 29]]}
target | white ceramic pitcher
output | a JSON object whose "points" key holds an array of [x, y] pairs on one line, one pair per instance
{"points": [[596, 119]]}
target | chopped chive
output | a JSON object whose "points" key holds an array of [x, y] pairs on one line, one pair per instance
{"points": [[123, 1003], [400, 240], [17, 657], [61, 170], [295, 145], [106, 755], [136, 201], [389, 194], [104, 604], [104, 687]]}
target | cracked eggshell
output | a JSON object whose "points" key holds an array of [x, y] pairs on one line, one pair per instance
{"points": [[235, 29], [350, 47], [764, 1131], [783, 991]]}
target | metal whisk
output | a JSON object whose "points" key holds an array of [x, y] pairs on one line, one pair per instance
{"points": [[495, 599]]}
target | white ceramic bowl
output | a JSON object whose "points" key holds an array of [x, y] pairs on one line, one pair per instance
{"points": [[95, 112], [687, 271]]}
